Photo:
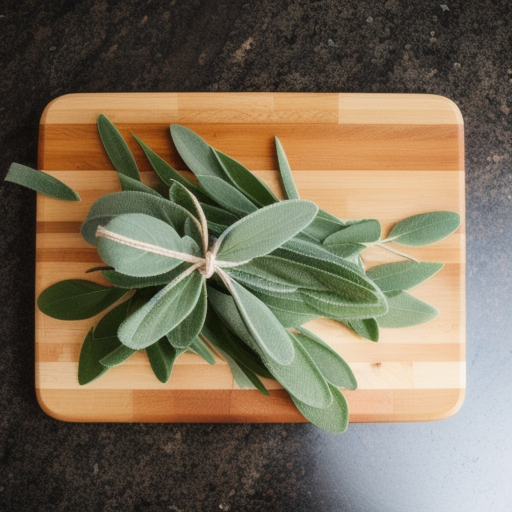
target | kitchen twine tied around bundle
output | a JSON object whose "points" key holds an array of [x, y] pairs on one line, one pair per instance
{"points": [[206, 266]]}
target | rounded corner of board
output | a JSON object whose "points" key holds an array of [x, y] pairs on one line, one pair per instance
{"points": [[449, 104], [49, 407], [453, 407]]}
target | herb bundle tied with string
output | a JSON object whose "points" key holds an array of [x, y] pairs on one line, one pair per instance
{"points": [[222, 266]]}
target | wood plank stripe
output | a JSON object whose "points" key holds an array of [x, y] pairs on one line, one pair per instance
{"points": [[59, 349], [309, 147], [387, 375], [250, 107], [244, 406]]}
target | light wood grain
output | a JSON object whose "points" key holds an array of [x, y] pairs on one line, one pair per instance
{"points": [[355, 155]]}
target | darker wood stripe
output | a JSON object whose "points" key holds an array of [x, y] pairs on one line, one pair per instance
{"points": [[309, 147]]}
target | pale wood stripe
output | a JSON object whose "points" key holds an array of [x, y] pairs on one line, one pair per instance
{"points": [[309, 146], [398, 108], [387, 375], [60, 346], [253, 108], [388, 197]]}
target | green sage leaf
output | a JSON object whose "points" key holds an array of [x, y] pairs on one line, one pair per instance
{"points": [[131, 282], [406, 311], [161, 313], [112, 205], [76, 299], [270, 336], [224, 339], [245, 378], [333, 418], [133, 260], [366, 327], [333, 367], [249, 184], [167, 173], [109, 324], [323, 225], [40, 182], [132, 185], [286, 173], [265, 230], [195, 152], [425, 228], [89, 366], [190, 327], [198, 347], [364, 231], [302, 378], [226, 195], [118, 356], [161, 357], [117, 150], [402, 275]]}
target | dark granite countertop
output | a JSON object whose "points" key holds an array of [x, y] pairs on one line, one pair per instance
{"points": [[461, 50]]}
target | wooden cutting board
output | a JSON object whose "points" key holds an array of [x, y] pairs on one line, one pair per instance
{"points": [[381, 156]]}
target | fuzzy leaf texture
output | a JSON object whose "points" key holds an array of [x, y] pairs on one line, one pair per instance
{"points": [[117, 149], [265, 230], [424, 229], [137, 262], [40, 182]]}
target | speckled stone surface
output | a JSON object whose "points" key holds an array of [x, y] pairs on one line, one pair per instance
{"points": [[457, 49]]}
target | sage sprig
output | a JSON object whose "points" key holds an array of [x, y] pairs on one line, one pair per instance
{"points": [[225, 268]]}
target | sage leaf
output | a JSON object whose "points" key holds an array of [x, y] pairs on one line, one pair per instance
{"points": [[289, 308], [249, 184], [333, 418], [131, 282], [285, 171], [162, 313], [268, 333], [226, 195], [218, 215], [76, 299], [301, 378], [245, 378], [406, 311], [190, 327], [112, 205], [40, 182], [345, 283], [364, 231], [118, 356], [333, 367], [278, 274], [265, 230], [133, 260], [89, 366], [402, 275], [338, 307], [425, 228], [323, 225], [198, 347], [167, 173], [161, 357], [110, 322], [117, 149], [225, 340], [345, 250], [195, 152], [366, 327], [130, 184]]}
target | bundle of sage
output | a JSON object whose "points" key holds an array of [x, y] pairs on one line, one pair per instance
{"points": [[223, 266]]}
